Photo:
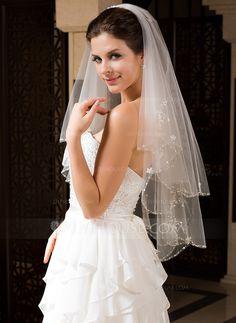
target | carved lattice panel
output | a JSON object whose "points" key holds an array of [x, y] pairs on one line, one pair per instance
{"points": [[201, 59], [202, 71], [35, 105]]}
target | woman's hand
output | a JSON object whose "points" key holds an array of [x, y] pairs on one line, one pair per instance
{"points": [[82, 116], [50, 245]]}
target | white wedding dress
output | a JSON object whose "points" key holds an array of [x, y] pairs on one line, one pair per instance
{"points": [[105, 270]]}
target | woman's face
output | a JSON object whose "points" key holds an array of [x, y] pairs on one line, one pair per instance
{"points": [[116, 63]]}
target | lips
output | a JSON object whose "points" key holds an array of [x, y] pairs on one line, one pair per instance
{"points": [[112, 81], [113, 78]]}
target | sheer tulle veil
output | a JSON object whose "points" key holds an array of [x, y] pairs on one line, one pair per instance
{"points": [[173, 168]]}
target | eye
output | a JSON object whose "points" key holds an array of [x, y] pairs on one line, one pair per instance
{"points": [[96, 59], [115, 56]]}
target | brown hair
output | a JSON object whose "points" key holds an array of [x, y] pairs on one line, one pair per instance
{"points": [[120, 23]]}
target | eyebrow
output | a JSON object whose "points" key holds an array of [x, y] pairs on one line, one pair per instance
{"points": [[111, 51]]}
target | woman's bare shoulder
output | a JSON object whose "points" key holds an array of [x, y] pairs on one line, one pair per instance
{"points": [[124, 106], [126, 112]]}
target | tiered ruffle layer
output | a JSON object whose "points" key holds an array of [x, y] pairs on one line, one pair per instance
{"points": [[104, 271]]}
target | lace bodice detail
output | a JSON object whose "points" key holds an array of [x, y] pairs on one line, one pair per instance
{"points": [[126, 198]]}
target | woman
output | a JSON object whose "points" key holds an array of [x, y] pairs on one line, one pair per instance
{"points": [[104, 267]]}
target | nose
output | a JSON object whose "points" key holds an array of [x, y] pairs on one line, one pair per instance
{"points": [[105, 68]]}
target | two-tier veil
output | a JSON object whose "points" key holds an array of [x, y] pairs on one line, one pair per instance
{"points": [[173, 168]]}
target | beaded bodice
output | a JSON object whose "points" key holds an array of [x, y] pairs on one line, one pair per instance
{"points": [[126, 198]]}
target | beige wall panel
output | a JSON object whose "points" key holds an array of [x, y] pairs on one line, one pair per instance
{"points": [[74, 15]]}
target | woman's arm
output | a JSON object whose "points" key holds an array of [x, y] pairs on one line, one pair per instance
{"points": [[84, 185], [95, 192]]}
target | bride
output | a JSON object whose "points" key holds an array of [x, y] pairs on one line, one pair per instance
{"points": [[127, 132]]}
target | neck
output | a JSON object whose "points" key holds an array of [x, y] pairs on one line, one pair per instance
{"points": [[132, 93]]}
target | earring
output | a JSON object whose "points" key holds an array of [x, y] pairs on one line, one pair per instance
{"points": [[142, 66]]}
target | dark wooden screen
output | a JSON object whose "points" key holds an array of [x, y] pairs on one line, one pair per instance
{"points": [[33, 193], [202, 62], [202, 67]]}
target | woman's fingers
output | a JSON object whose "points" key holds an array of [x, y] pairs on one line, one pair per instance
{"points": [[82, 115], [88, 104], [49, 247], [102, 110], [96, 108]]}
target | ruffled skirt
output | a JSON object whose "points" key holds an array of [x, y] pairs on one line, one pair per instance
{"points": [[104, 271]]}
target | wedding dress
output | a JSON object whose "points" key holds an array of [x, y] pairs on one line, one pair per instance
{"points": [[105, 270]]}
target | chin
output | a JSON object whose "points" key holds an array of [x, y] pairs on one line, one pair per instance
{"points": [[114, 90]]}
